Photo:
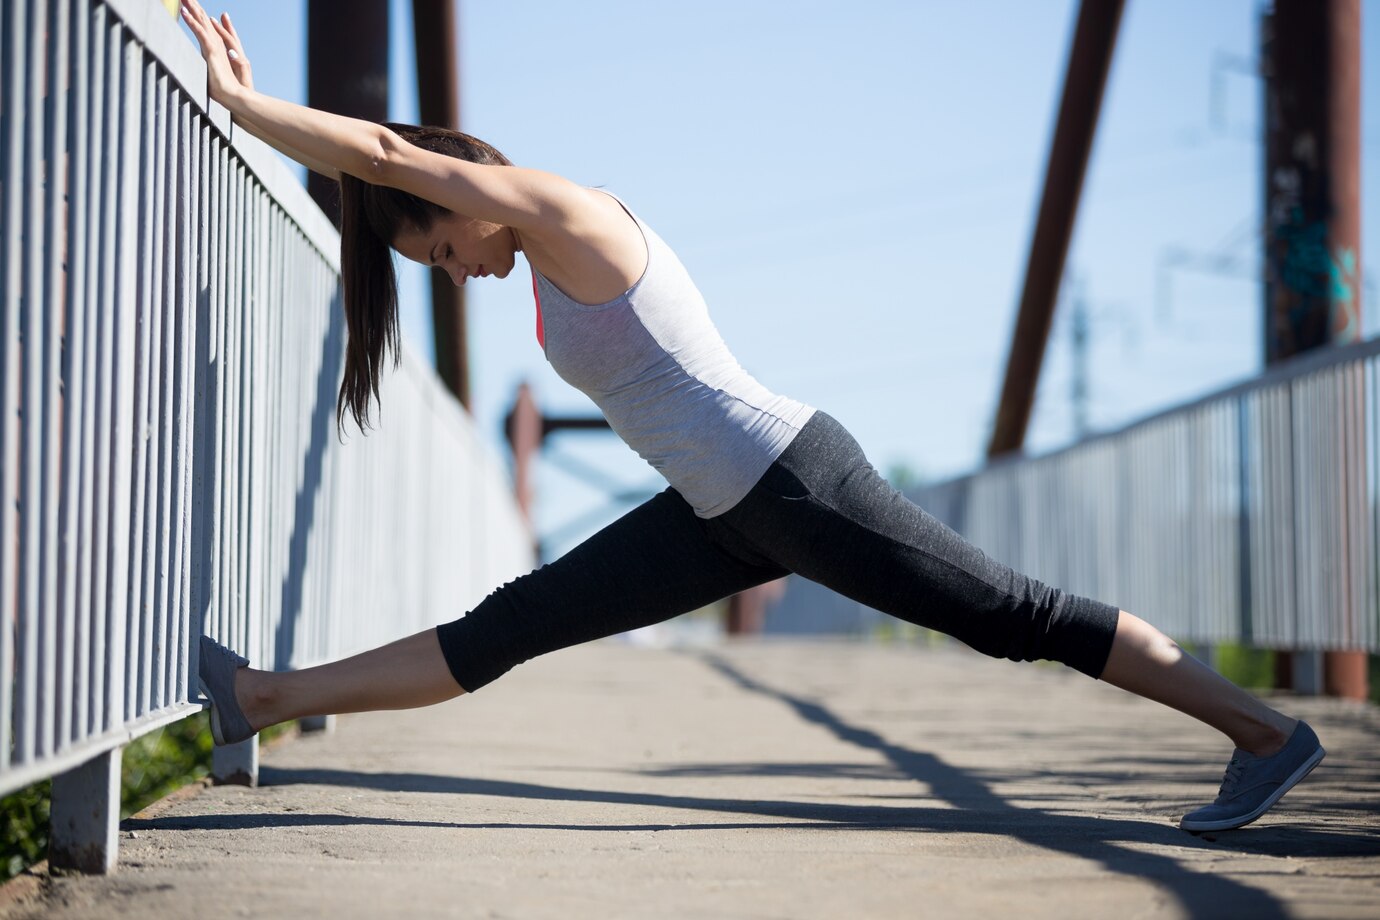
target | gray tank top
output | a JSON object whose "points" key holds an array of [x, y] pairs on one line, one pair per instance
{"points": [[657, 368]]}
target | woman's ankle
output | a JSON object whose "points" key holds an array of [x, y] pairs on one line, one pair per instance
{"points": [[1268, 737], [256, 693]]}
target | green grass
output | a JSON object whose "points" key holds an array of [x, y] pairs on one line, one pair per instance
{"points": [[24, 834], [151, 767], [1253, 668]]}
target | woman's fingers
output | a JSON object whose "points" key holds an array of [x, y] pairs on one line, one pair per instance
{"points": [[231, 40], [221, 76], [230, 27], [224, 33], [196, 11], [239, 61], [203, 27], [228, 40], [195, 20], [204, 35], [189, 14]]}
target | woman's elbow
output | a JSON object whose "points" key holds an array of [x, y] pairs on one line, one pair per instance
{"points": [[379, 158]]}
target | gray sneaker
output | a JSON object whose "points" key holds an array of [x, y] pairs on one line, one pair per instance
{"points": [[1253, 784], [217, 672]]}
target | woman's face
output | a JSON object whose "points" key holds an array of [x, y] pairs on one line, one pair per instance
{"points": [[466, 248]]}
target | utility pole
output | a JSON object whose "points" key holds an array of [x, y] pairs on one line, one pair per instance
{"points": [[1311, 60], [438, 103], [347, 72]]}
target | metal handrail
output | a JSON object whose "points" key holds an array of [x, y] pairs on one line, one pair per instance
{"points": [[1248, 515], [172, 341]]}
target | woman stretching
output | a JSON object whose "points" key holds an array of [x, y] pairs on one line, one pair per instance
{"points": [[761, 485]]}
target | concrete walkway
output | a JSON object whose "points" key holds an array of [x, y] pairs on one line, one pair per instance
{"points": [[799, 780]]}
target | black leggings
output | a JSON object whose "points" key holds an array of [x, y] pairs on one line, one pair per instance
{"points": [[821, 511]]}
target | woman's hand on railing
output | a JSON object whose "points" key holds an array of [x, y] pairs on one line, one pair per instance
{"points": [[234, 50], [222, 81], [328, 143], [238, 63]]}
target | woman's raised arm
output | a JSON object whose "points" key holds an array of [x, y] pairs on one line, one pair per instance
{"points": [[524, 199], [244, 73], [349, 145]]}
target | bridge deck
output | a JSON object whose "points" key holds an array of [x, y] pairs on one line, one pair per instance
{"points": [[766, 780]]}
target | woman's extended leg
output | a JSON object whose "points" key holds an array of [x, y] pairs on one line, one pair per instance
{"points": [[1146, 662], [404, 674], [827, 514], [823, 511], [653, 563]]}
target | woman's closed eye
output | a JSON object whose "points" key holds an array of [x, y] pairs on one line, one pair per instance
{"points": [[445, 254]]}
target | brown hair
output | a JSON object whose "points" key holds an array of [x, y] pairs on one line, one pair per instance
{"points": [[371, 216]]}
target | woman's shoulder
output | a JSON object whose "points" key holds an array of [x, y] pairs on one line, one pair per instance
{"points": [[598, 252]]}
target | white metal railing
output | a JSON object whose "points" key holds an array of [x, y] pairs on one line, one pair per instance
{"points": [[1247, 516], [172, 342]]}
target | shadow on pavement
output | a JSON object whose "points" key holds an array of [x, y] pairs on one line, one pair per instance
{"points": [[1200, 894], [231, 822], [1038, 827], [974, 809]]}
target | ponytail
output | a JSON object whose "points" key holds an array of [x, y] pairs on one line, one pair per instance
{"points": [[371, 303]]}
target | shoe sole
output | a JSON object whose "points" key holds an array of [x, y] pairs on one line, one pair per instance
{"points": [[215, 714], [1227, 824]]}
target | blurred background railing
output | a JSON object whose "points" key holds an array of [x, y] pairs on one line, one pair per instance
{"points": [[172, 346], [1248, 516]]}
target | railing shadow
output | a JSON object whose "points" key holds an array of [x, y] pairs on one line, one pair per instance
{"points": [[203, 471], [972, 808], [1201, 894], [798, 815], [308, 494]]}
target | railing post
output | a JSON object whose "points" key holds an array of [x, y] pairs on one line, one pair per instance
{"points": [[236, 764], [1306, 676], [317, 724], [86, 816]]}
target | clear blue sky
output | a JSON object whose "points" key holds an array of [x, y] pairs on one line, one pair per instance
{"points": [[853, 188]]}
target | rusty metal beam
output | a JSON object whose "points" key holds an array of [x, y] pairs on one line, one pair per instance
{"points": [[438, 103], [1311, 58], [1311, 61], [1090, 58], [347, 72]]}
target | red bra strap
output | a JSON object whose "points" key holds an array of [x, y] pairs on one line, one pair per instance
{"points": [[536, 297]]}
